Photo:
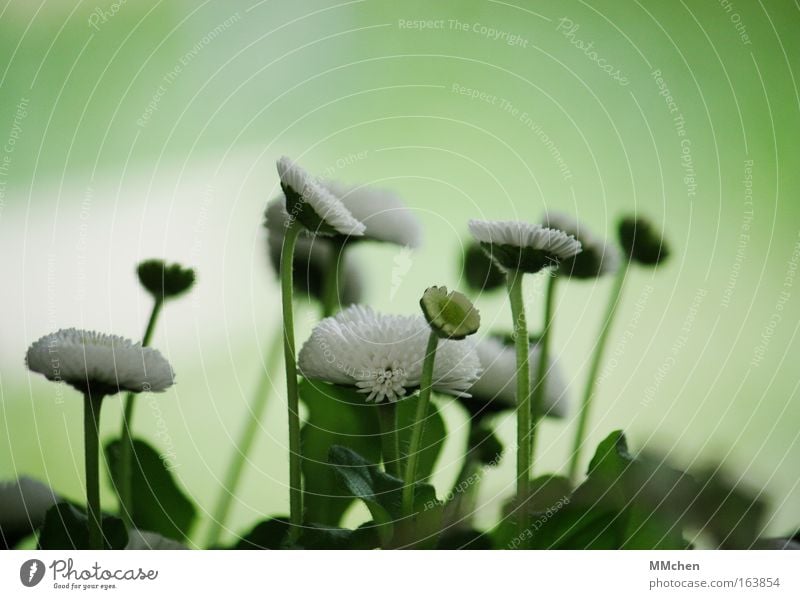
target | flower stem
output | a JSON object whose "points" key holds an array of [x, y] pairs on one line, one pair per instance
{"points": [[331, 289], [426, 382], [541, 369], [591, 382], [287, 289], [125, 488], [390, 440], [244, 444], [523, 397], [91, 440]]}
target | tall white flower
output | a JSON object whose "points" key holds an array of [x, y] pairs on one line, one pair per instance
{"points": [[382, 355], [106, 364], [597, 257], [495, 390], [308, 201], [523, 247]]}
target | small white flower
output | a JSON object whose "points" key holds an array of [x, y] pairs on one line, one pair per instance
{"points": [[597, 257], [383, 213], [321, 212], [23, 504], [498, 382], [88, 360], [525, 235], [382, 355]]}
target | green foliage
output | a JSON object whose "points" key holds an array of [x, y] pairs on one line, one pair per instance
{"points": [[340, 416], [382, 494], [612, 509], [158, 504], [66, 527]]}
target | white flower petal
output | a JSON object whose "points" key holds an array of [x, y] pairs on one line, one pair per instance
{"points": [[608, 253], [327, 206], [498, 382], [383, 213], [525, 235], [382, 355], [82, 358]]}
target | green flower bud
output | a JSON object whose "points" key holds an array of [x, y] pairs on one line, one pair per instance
{"points": [[164, 281], [450, 315], [641, 242]]}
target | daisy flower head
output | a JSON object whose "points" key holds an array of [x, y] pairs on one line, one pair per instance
{"points": [[382, 355], [309, 202], [523, 247], [385, 216], [641, 242], [450, 315], [495, 390], [99, 364], [312, 258], [164, 281], [597, 257]]}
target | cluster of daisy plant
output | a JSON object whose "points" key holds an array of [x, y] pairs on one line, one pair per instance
{"points": [[365, 396]]}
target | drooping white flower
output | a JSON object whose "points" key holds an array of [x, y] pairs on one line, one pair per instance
{"points": [[384, 214], [23, 504], [312, 258], [524, 247], [496, 389], [597, 257], [105, 364], [382, 355], [308, 201]]}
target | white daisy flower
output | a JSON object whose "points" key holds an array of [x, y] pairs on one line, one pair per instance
{"points": [[23, 505], [496, 388], [100, 363], [312, 258], [524, 247], [382, 355], [383, 213], [597, 257], [321, 212]]}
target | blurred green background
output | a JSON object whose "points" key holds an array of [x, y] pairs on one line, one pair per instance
{"points": [[150, 128]]}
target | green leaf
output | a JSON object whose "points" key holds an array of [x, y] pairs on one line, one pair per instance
{"points": [[158, 504], [382, 494], [465, 538], [269, 534], [315, 536], [617, 507], [66, 527], [432, 435], [150, 541], [337, 416]]}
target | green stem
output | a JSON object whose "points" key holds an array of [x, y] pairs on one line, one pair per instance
{"points": [[544, 360], [523, 397], [591, 382], [125, 483], [244, 444], [426, 383], [390, 440], [91, 440], [331, 287], [287, 289]]}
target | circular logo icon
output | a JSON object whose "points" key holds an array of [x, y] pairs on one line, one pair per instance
{"points": [[31, 572]]}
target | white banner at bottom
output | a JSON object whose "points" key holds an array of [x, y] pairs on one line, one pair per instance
{"points": [[401, 574]]}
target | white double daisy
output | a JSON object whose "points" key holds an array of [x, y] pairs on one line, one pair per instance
{"points": [[382, 355], [91, 361]]}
